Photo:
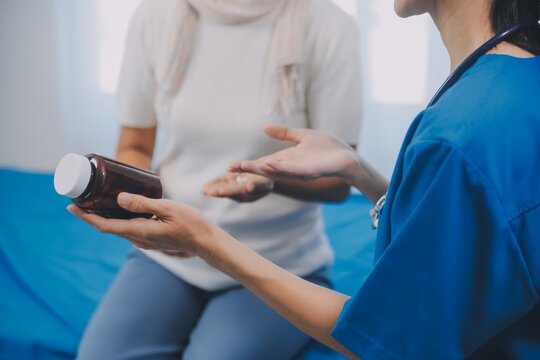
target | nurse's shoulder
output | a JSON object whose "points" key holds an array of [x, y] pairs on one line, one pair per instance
{"points": [[492, 117]]}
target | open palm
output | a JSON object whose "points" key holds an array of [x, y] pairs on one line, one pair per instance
{"points": [[315, 155], [240, 188]]}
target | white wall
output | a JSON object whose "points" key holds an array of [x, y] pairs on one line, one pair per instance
{"points": [[50, 99], [31, 133], [404, 62]]}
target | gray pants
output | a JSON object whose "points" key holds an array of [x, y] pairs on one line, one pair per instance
{"points": [[149, 313]]}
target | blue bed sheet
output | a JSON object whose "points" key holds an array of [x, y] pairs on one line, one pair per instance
{"points": [[54, 269]]}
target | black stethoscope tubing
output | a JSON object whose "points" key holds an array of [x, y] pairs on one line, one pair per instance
{"points": [[482, 50]]}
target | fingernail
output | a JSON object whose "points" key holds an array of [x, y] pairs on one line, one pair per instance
{"points": [[124, 199]]}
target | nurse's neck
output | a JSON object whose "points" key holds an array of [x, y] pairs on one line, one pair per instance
{"points": [[464, 26]]}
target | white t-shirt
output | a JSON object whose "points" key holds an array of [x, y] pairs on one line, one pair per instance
{"points": [[218, 114]]}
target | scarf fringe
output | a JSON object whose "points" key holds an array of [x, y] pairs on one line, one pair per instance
{"points": [[285, 54]]}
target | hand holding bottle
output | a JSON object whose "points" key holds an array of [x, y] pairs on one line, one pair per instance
{"points": [[175, 229]]}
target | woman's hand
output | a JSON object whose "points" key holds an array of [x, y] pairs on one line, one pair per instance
{"points": [[176, 229], [239, 187], [315, 155]]}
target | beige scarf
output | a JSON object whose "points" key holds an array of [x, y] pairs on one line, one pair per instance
{"points": [[286, 45]]}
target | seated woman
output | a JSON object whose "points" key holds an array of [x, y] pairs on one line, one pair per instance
{"points": [[209, 74], [457, 273]]}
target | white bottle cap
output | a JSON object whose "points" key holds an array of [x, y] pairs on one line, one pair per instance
{"points": [[72, 175]]}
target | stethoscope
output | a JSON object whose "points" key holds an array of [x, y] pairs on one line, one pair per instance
{"points": [[482, 50]]}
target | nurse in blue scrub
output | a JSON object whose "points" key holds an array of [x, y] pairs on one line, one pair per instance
{"points": [[457, 270]]}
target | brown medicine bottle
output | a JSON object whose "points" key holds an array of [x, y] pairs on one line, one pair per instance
{"points": [[93, 182]]}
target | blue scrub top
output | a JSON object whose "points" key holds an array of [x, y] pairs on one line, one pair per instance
{"points": [[457, 271]]}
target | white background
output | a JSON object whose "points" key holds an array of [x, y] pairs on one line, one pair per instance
{"points": [[60, 59]]}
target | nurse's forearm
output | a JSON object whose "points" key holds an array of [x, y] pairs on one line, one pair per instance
{"points": [[369, 181], [311, 308]]}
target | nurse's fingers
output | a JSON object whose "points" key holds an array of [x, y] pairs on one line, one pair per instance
{"points": [[249, 166], [257, 167], [235, 166], [277, 170], [143, 205], [281, 132], [123, 228], [288, 170]]}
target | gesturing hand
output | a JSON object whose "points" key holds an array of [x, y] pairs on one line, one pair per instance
{"points": [[315, 155], [239, 187], [176, 229]]}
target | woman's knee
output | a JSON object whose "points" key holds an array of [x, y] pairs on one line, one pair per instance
{"points": [[237, 325]]}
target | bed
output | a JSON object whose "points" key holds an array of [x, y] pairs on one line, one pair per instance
{"points": [[54, 269]]}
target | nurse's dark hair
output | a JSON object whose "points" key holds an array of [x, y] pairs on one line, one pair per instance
{"points": [[506, 13]]}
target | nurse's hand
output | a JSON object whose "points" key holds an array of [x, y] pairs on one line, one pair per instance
{"points": [[239, 187], [315, 155], [175, 229]]}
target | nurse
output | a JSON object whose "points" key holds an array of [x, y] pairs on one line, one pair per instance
{"points": [[457, 271]]}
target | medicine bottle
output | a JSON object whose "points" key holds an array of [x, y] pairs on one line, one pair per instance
{"points": [[93, 182]]}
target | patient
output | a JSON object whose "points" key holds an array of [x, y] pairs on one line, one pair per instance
{"points": [[209, 74]]}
